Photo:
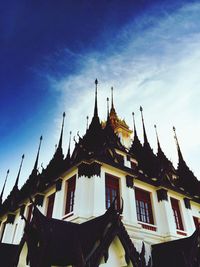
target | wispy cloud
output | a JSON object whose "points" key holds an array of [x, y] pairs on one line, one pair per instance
{"points": [[153, 62]]}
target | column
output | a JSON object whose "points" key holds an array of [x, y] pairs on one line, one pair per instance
{"points": [[128, 195], [187, 217], [165, 217]]}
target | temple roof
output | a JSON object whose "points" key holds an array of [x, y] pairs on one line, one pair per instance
{"points": [[186, 178], [183, 252]]}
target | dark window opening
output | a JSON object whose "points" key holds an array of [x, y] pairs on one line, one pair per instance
{"points": [[112, 191], [143, 206], [177, 214], [71, 184], [50, 206]]}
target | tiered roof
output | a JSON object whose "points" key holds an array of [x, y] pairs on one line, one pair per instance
{"points": [[101, 144]]}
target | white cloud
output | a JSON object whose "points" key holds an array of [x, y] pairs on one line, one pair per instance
{"points": [[157, 68]]}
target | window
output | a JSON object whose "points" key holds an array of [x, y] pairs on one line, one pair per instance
{"points": [[112, 190], [196, 221], [29, 212], [71, 184], [177, 214], [143, 206], [50, 205]]}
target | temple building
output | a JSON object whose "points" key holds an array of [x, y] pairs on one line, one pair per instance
{"points": [[109, 202]]}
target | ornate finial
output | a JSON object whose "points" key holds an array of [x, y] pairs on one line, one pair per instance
{"points": [[87, 119], [95, 107], [17, 179], [61, 134], [37, 157], [107, 99], [177, 145], [1, 196], [144, 131]]}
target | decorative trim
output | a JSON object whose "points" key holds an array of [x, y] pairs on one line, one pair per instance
{"points": [[10, 218], [129, 181], [162, 194], [58, 184], [39, 199], [187, 203], [89, 169]]}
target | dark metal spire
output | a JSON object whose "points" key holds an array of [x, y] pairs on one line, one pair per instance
{"points": [[87, 119], [134, 127], [107, 99], [1, 196], [112, 100], [68, 153], [37, 157], [95, 107], [158, 143], [61, 134], [178, 147], [20, 167], [144, 131]]}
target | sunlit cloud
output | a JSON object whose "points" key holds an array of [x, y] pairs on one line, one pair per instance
{"points": [[153, 62]]}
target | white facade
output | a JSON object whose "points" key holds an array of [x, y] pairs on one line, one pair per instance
{"points": [[89, 202]]}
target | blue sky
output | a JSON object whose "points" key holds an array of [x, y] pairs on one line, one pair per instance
{"points": [[51, 52]]}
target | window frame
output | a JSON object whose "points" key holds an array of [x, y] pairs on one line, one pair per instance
{"points": [[144, 207], [112, 185], [175, 204], [50, 205], [69, 200]]}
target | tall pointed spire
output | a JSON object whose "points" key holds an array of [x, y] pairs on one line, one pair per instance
{"points": [[164, 162], [144, 131], [136, 147], [87, 119], [37, 157], [20, 167], [158, 142], [1, 196], [178, 147], [95, 106], [61, 134], [112, 100], [68, 153], [107, 99], [134, 126]]}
